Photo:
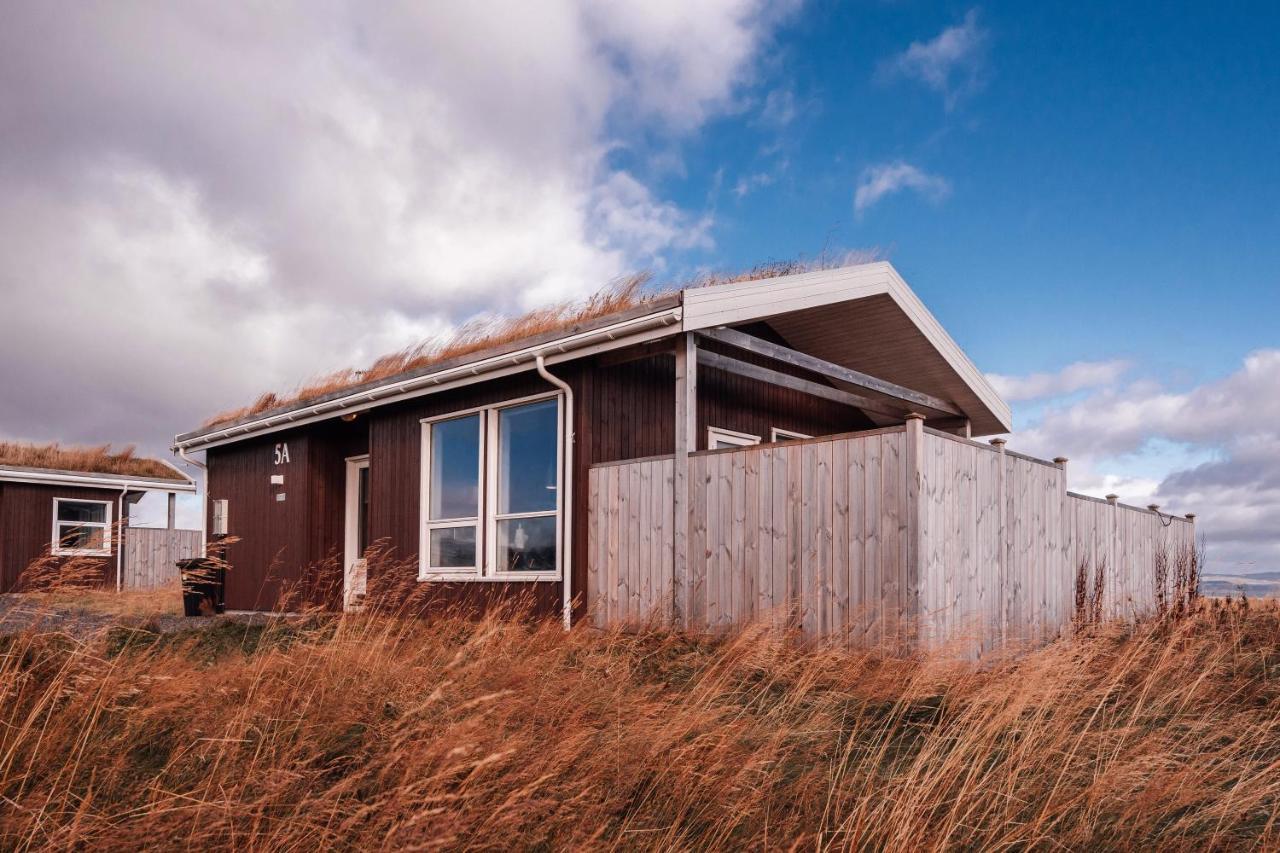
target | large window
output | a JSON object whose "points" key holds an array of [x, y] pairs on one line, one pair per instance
{"points": [[492, 493], [81, 527]]}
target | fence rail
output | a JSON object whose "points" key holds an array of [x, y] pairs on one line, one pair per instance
{"points": [[896, 535], [150, 555]]}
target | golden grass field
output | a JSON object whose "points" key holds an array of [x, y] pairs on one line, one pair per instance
{"points": [[369, 731]]}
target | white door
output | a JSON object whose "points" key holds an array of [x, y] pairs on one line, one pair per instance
{"points": [[357, 527]]}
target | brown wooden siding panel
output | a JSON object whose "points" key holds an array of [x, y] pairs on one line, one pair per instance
{"points": [[270, 536], [748, 405], [26, 527], [329, 448], [295, 543]]}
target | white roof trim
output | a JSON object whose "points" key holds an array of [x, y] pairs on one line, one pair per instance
{"points": [[43, 477], [724, 304]]}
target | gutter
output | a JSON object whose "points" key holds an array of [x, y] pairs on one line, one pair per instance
{"points": [[119, 537], [606, 337], [566, 477], [52, 479]]}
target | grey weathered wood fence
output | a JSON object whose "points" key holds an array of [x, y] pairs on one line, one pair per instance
{"points": [[150, 555], [897, 535]]}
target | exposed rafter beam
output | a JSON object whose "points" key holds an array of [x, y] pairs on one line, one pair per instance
{"points": [[706, 358], [795, 358]]}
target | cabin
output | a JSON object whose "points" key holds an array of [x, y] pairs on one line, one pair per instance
{"points": [[803, 446], [66, 509]]}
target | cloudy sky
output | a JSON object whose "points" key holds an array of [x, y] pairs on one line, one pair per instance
{"points": [[199, 201]]}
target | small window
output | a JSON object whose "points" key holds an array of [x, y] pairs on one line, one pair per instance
{"points": [[525, 517], [81, 527], [718, 438], [454, 506], [787, 435]]}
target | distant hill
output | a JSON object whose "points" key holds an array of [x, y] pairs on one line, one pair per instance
{"points": [[1259, 585]]}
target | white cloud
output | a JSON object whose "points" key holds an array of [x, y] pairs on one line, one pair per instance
{"points": [[1072, 378], [888, 178], [202, 202], [1135, 439], [780, 108], [952, 63], [748, 184]]}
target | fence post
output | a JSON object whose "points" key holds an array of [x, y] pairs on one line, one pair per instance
{"points": [[1066, 595], [1110, 583], [1003, 550], [909, 591], [686, 437]]}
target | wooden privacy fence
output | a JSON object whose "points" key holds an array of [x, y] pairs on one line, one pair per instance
{"points": [[898, 535], [150, 555]]}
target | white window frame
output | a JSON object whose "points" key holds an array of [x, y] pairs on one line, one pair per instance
{"points": [[733, 438], [777, 433], [107, 539], [425, 570], [487, 521]]}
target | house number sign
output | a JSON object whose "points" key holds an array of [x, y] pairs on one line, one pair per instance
{"points": [[282, 453]]}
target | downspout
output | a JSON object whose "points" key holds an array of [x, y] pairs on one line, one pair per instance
{"points": [[119, 537], [204, 499], [566, 583]]}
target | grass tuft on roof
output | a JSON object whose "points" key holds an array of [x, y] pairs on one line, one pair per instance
{"points": [[89, 460], [489, 332]]}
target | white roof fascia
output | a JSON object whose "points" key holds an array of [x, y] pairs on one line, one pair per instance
{"points": [[725, 304], [89, 480]]}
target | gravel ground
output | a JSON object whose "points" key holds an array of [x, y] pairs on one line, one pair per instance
{"points": [[19, 612]]}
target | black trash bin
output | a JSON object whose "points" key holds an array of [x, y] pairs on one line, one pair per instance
{"points": [[203, 586]]}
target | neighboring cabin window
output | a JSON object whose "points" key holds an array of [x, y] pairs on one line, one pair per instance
{"points": [[787, 435], [81, 527], [493, 492], [718, 438]]}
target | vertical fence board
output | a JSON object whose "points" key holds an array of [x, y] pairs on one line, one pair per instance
{"points": [[150, 555]]}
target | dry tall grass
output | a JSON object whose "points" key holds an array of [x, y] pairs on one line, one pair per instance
{"points": [[374, 731], [96, 460], [489, 332]]}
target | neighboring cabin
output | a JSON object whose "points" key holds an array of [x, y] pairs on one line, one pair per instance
{"points": [[63, 504], [492, 471]]}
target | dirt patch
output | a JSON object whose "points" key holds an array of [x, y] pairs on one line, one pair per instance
{"points": [[83, 614]]}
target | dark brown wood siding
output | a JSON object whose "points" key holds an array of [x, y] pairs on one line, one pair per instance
{"points": [[734, 402], [624, 409], [291, 543], [26, 529]]}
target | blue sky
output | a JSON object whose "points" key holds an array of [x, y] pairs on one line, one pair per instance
{"points": [[208, 201], [1114, 174]]}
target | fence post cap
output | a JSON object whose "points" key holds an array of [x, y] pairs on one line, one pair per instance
{"points": [[1191, 516], [1112, 498], [998, 442], [1153, 507], [913, 416], [1060, 460]]}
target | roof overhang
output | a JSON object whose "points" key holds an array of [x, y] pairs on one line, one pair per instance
{"points": [[864, 318], [94, 480]]}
